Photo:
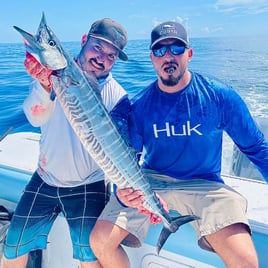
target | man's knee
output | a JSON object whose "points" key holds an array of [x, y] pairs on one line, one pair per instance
{"points": [[100, 236], [20, 262], [106, 236], [235, 246]]}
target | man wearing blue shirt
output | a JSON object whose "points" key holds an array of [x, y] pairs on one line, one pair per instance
{"points": [[179, 121]]}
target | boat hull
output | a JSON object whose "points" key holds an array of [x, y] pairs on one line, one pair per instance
{"points": [[18, 160]]}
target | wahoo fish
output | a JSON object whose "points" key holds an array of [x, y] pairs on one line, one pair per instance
{"points": [[79, 96]]}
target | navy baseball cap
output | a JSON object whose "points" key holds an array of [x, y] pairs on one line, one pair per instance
{"points": [[169, 29]]}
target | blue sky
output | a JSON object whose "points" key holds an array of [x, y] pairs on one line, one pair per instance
{"points": [[71, 19]]}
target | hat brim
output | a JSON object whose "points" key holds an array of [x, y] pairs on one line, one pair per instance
{"points": [[169, 37], [122, 55]]}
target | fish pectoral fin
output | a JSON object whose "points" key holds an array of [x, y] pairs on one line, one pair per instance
{"points": [[174, 226]]}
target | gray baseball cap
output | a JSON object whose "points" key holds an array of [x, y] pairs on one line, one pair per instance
{"points": [[111, 32]]}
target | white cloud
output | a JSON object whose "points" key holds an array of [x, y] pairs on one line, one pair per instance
{"points": [[156, 22], [209, 30], [183, 21], [243, 6], [239, 2]]}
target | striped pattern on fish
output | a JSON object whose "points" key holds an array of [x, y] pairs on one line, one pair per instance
{"points": [[79, 96], [96, 131], [94, 127]]}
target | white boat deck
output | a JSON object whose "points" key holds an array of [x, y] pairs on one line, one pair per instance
{"points": [[256, 193], [20, 151]]}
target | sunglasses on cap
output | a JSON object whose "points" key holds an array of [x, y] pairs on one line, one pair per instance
{"points": [[160, 50]]}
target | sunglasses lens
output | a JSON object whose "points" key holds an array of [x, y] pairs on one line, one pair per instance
{"points": [[160, 52], [174, 49], [177, 50]]}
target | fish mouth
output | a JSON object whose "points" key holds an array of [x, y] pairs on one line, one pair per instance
{"points": [[43, 46], [29, 40]]}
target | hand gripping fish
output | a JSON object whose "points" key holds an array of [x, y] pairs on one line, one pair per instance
{"points": [[79, 96]]}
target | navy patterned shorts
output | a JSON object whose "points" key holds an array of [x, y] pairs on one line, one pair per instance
{"points": [[38, 208]]}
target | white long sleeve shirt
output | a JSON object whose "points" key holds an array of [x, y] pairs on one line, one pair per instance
{"points": [[63, 161]]}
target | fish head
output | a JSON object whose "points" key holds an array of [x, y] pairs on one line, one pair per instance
{"points": [[45, 46]]}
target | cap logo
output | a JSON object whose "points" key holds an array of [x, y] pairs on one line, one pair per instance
{"points": [[118, 35], [168, 29]]}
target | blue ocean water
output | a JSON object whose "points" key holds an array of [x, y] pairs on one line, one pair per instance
{"points": [[241, 62]]}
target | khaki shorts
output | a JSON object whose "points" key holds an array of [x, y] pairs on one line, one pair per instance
{"points": [[217, 205]]}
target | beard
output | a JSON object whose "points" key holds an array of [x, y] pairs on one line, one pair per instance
{"points": [[172, 80]]}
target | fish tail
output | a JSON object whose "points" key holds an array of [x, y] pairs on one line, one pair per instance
{"points": [[174, 226]]}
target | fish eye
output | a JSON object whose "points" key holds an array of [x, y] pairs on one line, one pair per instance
{"points": [[52, 43]]}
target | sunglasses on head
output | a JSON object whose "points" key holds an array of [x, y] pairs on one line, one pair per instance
{"points": [[160, 50]]}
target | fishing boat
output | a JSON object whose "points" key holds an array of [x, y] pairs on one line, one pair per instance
{"points": [[18, 160]]}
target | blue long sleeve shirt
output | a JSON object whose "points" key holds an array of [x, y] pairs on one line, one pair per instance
{"points": [[182, 132]]}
